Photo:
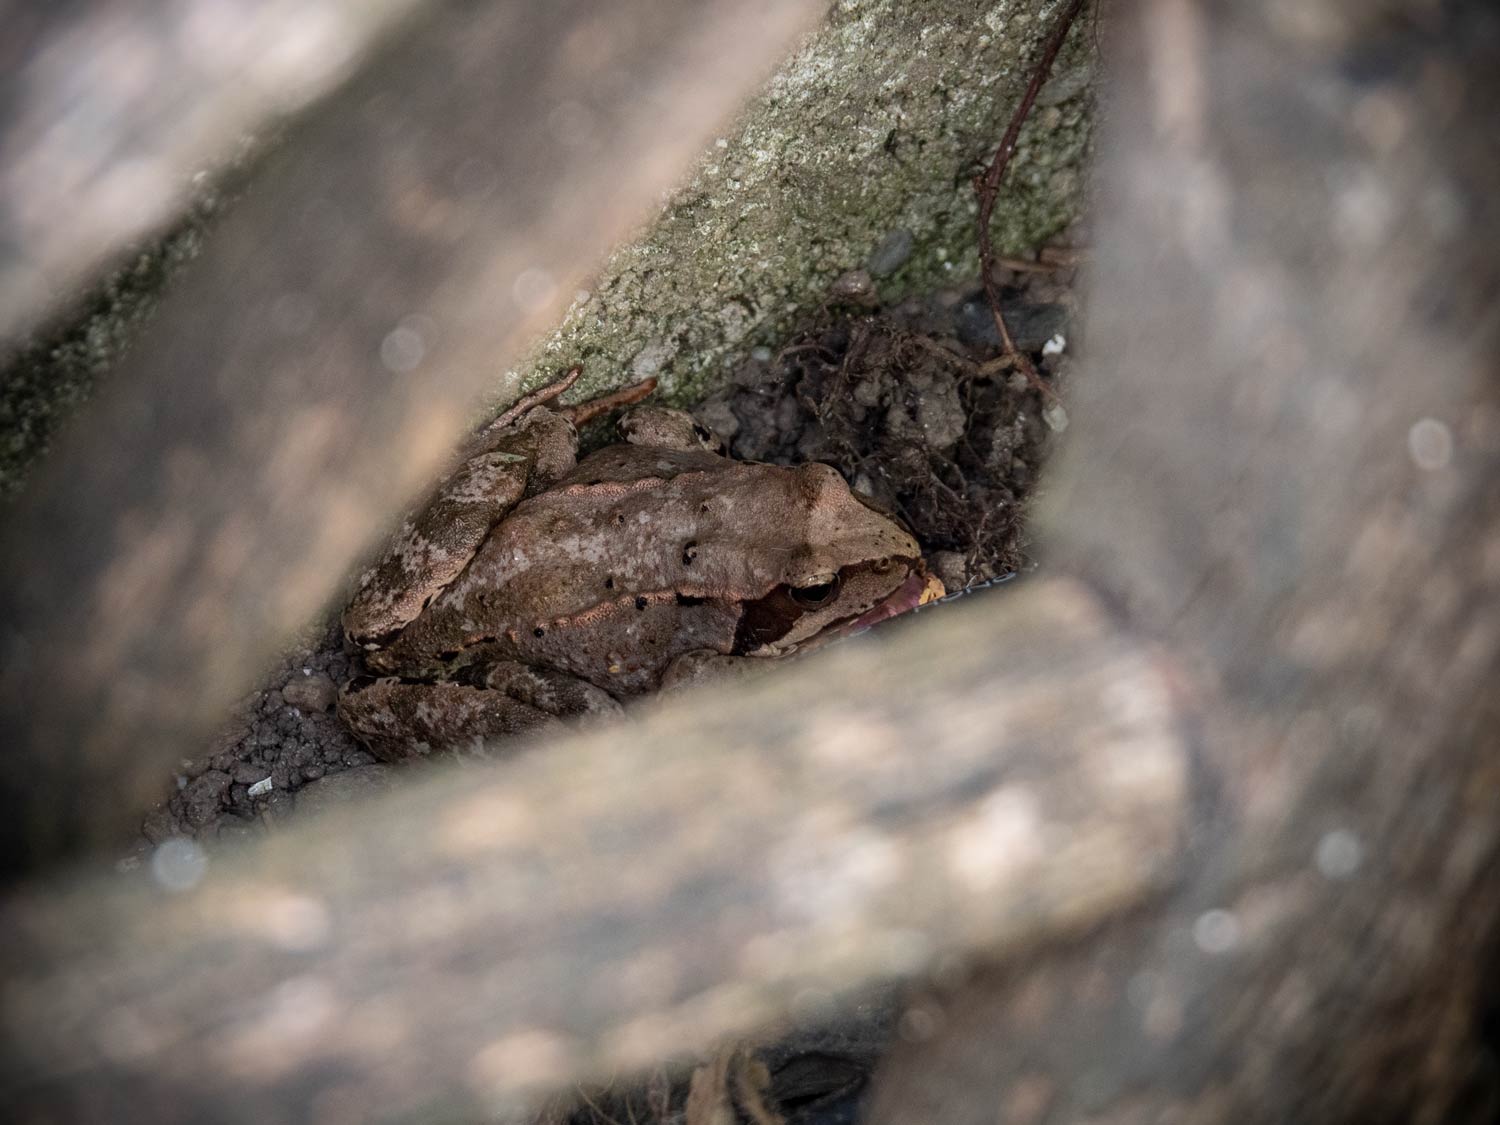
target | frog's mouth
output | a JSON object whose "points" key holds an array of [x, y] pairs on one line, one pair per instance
{"points": [[919, 588], [771, 626]]}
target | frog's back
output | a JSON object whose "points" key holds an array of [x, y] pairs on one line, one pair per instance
{"points": [[639, 555]]}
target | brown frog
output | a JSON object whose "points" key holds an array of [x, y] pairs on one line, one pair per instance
{"points": [[533, 588]]}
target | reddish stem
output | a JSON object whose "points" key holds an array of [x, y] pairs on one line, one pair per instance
{"points": [[987, 188]]}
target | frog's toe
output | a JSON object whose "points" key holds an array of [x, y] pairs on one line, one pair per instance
{"points": [[398, 719], [704, 666], [551, 692]]}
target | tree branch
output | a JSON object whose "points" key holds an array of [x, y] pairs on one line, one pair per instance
{"points": [[494, 933]]}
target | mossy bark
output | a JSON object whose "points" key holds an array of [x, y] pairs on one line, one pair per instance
{"points": [[858, 153]]}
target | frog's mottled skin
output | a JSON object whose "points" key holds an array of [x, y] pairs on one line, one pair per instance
{"points": [[531, 588]]}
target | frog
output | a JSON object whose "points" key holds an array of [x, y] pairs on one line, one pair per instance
{"points": [[535, 587]]}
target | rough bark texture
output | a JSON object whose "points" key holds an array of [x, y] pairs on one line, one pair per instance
{"points": [[109, 110], [599, 906], [1295, 334], [315, 366], [857, 154]]}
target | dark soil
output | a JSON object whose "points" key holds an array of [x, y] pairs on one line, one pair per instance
{"points": [[911, 404]]}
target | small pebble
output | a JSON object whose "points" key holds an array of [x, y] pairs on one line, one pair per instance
{"points": [[203, 797], [160, 825], [312, 694], [891, 254], [1055, 417], [951, 569], [856, 287]]}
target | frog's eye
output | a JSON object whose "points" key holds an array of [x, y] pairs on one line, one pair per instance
{"points": [[810, 597]]}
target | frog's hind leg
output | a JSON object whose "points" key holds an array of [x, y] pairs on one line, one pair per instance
{"points": [[400, 719], [551, 692]]}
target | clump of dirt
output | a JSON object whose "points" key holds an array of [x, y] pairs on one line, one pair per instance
{"points": [[914, 407]]}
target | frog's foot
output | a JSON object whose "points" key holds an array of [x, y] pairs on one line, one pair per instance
{"points": [[665, 428], [705, 666], [400, 719]]}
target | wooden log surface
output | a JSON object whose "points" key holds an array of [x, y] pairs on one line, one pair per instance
{"points": [[314, 367], [996, 779], [111, 108], [1291, 477]]}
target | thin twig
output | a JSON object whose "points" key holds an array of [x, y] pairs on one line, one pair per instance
{"points": [[578, 414], [987, 188], [585, 412], [948, 355], [543, 394]]}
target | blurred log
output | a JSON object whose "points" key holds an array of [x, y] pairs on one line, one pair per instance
{"points": [[1288, 470], [499, 933], [313, 368], [110, 109]]}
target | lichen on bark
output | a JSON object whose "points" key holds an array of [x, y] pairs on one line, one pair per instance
{"points": [[857, 153]]}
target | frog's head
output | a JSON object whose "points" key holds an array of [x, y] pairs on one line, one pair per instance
{"points": [[857, 565]]}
